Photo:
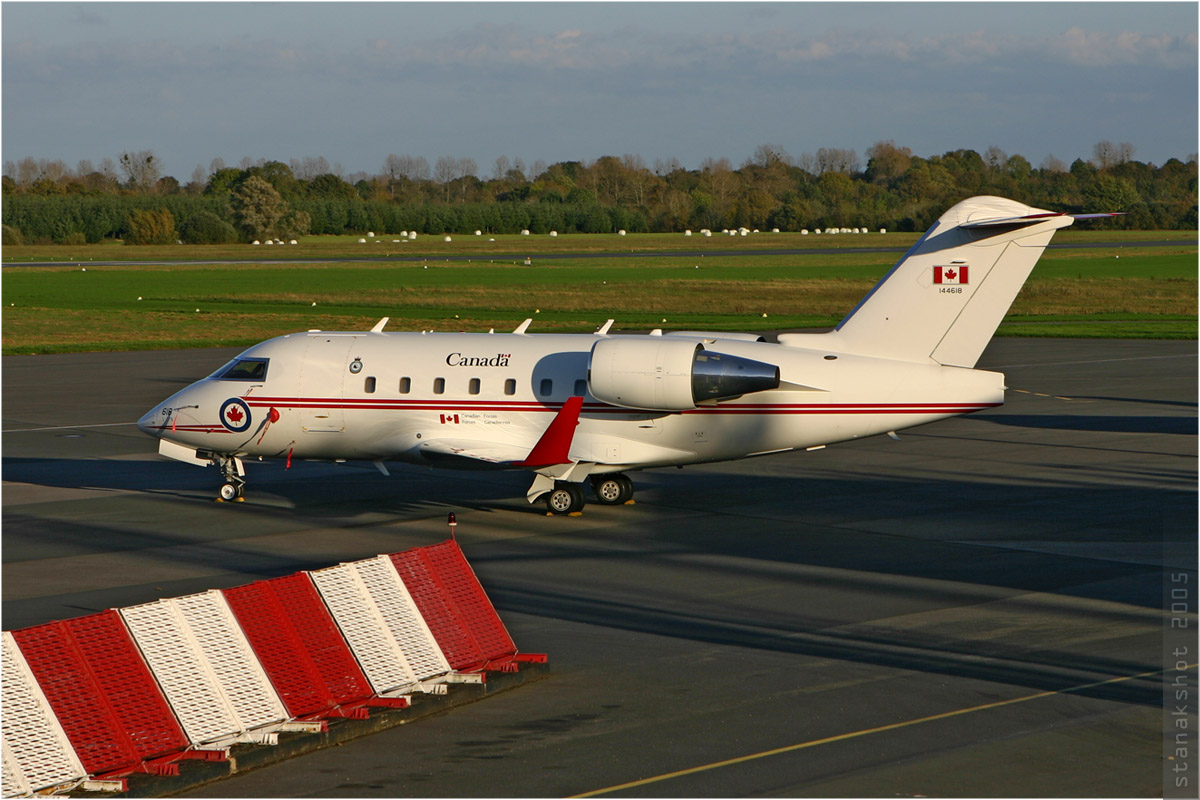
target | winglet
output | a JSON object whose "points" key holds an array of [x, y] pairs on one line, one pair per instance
{"points": [[555, 445]]}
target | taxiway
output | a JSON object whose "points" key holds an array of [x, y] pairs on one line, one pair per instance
{"points": [[975, 610]]}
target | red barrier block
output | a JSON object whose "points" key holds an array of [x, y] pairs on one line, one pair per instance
{"points": [[298, 644], [454, 605], [102, 692]]}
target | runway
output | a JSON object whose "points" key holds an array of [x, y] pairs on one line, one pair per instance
{"points": [[398, 259], [975, 610]]}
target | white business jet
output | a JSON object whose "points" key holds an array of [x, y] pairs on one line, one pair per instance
{"points": [[576, 408]]}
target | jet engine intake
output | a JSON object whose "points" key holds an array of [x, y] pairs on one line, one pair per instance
{"points": [[663, 374]]}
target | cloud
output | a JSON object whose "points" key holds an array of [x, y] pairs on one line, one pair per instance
{"points": [[1093, 49], [507, 51]]}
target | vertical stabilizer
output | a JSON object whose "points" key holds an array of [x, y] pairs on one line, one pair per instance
{"points": [[943, 301]]}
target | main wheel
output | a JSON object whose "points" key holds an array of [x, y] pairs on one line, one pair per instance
{"points": [[612, 490], [564, 498]]}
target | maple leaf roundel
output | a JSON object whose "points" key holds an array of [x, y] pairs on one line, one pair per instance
{"points": [[235, 414]]}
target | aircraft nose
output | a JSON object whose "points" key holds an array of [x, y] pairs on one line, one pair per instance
{"points": [[149, 423]]}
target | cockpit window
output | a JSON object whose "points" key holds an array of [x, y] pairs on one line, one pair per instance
{"points": [[243, 369]]}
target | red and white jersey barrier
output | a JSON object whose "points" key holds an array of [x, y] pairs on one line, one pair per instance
{"points": [[138, 689]]}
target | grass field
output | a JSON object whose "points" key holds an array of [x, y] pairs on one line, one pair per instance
{"points": [[1120, 289]]}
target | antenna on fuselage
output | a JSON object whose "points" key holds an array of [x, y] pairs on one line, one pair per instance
{"points": [[379, 325]]}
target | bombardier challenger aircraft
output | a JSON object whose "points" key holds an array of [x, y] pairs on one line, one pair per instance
{"points": [[576, 408]]}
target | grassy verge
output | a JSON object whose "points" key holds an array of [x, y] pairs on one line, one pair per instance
{"points": [[1145, 292], [516, 247]]}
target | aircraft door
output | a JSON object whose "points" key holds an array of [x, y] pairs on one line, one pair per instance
{"points": [[326, 363]]}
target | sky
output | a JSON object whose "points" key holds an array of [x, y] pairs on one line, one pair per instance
{"points": [[540, 81]]}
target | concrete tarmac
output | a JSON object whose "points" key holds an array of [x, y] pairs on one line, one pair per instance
{"points": [[975, 610]]}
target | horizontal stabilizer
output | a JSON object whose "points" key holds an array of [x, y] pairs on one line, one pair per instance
{"points": [[1030, 219], [1004, 222]]}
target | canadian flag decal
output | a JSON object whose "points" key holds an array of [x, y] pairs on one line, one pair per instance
{"points": [[448, 418], [953, 274]]}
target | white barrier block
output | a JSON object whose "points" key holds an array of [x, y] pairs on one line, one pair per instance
{"points": [[206, 668], [380, 621], [36, 749], [13, 783]]}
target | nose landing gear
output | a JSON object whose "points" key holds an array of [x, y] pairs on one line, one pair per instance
{"points": [[232, 473]]}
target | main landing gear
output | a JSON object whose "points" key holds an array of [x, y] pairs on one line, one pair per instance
{"points": [[611, 490]]}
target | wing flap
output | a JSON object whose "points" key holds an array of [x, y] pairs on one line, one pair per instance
{"points": [[472, 452]]}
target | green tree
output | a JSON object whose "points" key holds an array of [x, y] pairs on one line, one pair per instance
{"points": [[151, 226], [1110, 194], [206, 227], [331, 187], [257, 207], [294, 224]]}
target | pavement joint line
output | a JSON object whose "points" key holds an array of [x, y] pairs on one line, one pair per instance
{"points": [[865, 732], [68, 427], [1094, 361]]}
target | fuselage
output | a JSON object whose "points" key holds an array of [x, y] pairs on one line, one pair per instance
{"points": [[381, 396]]}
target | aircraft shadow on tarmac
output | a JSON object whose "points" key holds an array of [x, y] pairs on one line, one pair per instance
{"points": [[807, 534], [1003, 664], [1109, 424]]}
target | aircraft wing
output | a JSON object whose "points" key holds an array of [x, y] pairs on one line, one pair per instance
{"points": [[552, 449], [464, 451]]}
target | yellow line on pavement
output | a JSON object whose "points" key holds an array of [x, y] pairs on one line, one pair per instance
{"points": [[866, 732]]}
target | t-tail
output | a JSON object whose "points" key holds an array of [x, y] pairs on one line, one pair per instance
{"points": [[945, 298]]}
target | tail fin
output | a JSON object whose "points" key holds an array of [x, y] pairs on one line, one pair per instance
{"points": [[943, 301]]}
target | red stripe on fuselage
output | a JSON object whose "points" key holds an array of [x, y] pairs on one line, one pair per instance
{"points": [[449, 406]]}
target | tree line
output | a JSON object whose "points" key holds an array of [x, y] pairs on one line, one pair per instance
{"points": [[129, 198]]}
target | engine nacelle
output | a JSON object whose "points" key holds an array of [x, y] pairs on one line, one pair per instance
{"points": [[656, 373]]}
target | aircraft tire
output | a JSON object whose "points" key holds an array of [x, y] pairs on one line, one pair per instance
{"points": [[612, 490], [565, 498], [229, 492]]}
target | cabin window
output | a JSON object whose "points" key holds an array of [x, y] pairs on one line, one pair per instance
{"points": [[243, 369], [439, 385], [369, 385], [405, 385], [547, 387], [510, 386], [580, 388], [473, 386]]}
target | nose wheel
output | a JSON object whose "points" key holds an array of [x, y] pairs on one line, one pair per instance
{"points": [[234, 485], [231, 493]]}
